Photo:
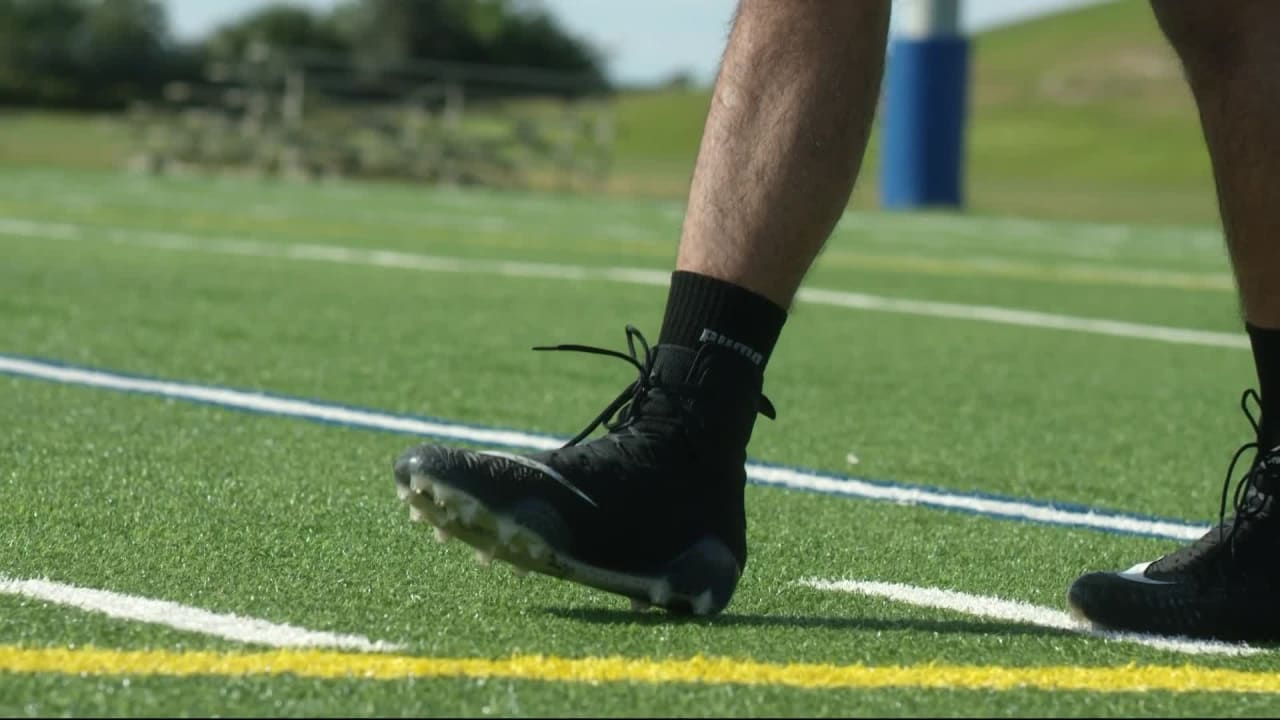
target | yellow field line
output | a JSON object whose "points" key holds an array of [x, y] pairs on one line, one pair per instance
{"points": [[700, 670]]}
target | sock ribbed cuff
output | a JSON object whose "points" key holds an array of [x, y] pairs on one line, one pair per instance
{"points": [[702, 309], [1266, 358]]}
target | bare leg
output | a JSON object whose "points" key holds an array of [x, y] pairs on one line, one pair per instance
{"points": [[1231, 55], [1231, 52], [784, 140]]}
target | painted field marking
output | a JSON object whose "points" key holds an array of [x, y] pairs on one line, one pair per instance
{"points": [[186, 618], [555, 271], [696, 670], [1023, 318], [1085, 240], [1058, 237], [1056, 514], [994, 608], [1074, 273]]}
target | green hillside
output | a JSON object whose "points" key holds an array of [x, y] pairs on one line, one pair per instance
{"points": [[1079, 115], [1086, 114]]}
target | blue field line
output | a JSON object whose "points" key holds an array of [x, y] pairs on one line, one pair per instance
{"points": [[987, 505]]}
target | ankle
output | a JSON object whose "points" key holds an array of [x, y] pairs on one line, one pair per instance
{"points": [[702, 310]]}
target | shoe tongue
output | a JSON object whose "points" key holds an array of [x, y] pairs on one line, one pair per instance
{"points": [[671, 364], [727, 384], [1265, 478]]}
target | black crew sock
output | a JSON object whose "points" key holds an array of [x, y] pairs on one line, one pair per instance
{"points": [[1266, 358], [702, 309]]}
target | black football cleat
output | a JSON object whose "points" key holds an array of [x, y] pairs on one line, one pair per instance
{"points": [[1225, 586], [652, 510]]}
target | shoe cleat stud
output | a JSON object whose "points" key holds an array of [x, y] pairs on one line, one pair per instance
{"points": [[403, 492], [442, 535], [416, 515], [484, 557], [537, 550], [702, 604], [419, 483], [638, 605], [507, 531], [660, 593]]}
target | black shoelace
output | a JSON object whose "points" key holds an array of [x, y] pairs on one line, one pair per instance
{"points": [[625, 409], [1262, 477]]}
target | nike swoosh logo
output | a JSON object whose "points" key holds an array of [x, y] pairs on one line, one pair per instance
{"points": [[544, 469], [1138, 574]]}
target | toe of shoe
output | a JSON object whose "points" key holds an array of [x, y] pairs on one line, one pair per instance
{"points": [[426, 459], [1092, 597]]}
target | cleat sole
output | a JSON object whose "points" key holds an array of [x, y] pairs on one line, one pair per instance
{"points": [[660, 593], [700, 581]]}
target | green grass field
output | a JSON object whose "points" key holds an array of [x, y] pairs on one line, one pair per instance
{"points": [[423, 302], [204, 382]]}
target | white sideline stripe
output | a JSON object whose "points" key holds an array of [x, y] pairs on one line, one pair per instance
{"points": [[275, 405], [187, 618], [1011, 509], [757, 472], [435, 263], [1020, 612]]}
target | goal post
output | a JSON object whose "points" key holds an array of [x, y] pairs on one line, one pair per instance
{"points": [[925, 107]]}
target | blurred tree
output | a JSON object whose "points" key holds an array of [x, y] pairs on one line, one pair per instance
{"points": [[36, 60], [483, 32], [531, 36], [396, 31], [281, 25], [121, 47], [679, 80], [103, 53], [85, 53]]}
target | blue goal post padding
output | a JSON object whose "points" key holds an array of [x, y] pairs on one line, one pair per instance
{"points": [[923, 123]]}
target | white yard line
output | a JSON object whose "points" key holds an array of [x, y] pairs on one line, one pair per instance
{"points": [[994, 608], [792, 478], [1024, 318], [187, 618], [1174, 240], [434, 263], [982, 266], [652, 222]]}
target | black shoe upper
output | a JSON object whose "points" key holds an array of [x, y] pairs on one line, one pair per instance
{"points": [[1224, 585], [668, 472]]}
